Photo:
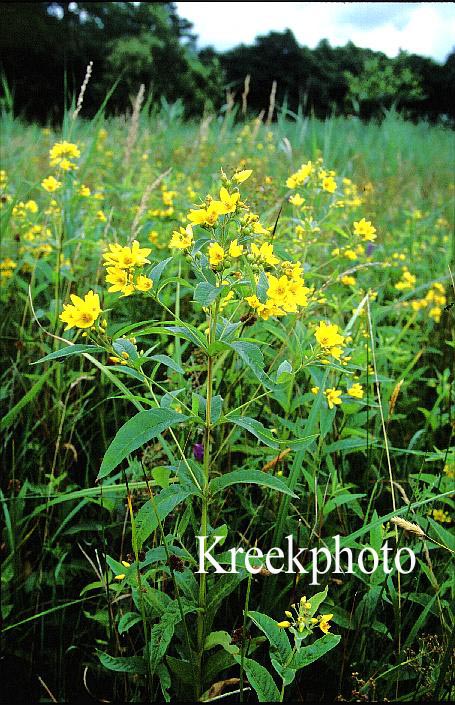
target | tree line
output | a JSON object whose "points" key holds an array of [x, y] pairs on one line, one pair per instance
{"points": [[46, 47]]}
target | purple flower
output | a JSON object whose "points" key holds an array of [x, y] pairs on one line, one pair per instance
{"points": [[198, 451], [370, 248]]}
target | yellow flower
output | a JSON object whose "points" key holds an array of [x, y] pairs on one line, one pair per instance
{"points": [[216, 254], [264, 253], [329, 184], [207, 216], [296, 199], [101, 217], [441, 516], [125, 564], [235, 250], [228, 201], [32, 206], [84, 191], [8, 263], [328, 336], [143, 283], [333, 397], [348, 280], [120, 576], [259, 229], [324, 622], [356, 391], [242, 176], [314, 390], [284, 625], [66, 165], [83, 313], [365, 229], [50, 184], [183, 238], [127, 257], [118, 278], [63, 151]]}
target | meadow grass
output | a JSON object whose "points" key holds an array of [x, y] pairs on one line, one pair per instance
{"points": [[239, 386]]}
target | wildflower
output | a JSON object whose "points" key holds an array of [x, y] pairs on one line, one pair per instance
{"points": [[407, 280], [50, 184], [182, 239], [198, 452], [365, 229], [324, 625], [216, 254], [449, 470], [296, 200], [206, 216], [315, 390], [235, 250], [84, 191], [328, 336], [264, 253], [441, 516], [329, 184], [120, 576], [333, 397], [284, 625], [8, 263], [101, 217], [300, 176], [127, 257], [83, 313], [143, 283], [63, 152], [259, 229], [356, 391], [242, 176], [348, 280], [228, 201]]}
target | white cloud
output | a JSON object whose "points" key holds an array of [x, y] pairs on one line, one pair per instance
{"points": [[421, 28]]}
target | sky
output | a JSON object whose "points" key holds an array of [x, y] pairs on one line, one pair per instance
{"points": [[426, 28]]}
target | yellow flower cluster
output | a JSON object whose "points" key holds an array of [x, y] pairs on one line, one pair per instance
{"points": [[6, 268], [407, 280], [285, 294], [61, 155], [120, 263], [435, 299], [83, 313], [208, 216], [330, 339], [182, 238], [302, 621], [441, 516], [300, 176], [365, 230]]}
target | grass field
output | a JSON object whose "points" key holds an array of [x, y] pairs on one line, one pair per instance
{"points": [[273, 359]]}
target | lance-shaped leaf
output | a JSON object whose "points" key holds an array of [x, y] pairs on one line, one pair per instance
{"points": [[69, 351], [134, 433], [256, 428], [252, 356], [307, 654], [254, 477]]}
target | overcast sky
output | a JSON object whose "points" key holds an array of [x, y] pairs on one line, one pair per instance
{"points": [[426, 28]]}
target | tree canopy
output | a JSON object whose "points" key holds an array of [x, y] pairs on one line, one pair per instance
{"points": [[46, 47]]}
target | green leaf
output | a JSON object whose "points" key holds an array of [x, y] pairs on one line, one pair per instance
{"points": [[220, 638], [168, 361], [188, 333], [162, 633], [252, 356], [8, 419], [254, 477], [277, 637], [206, 293], [134, 433], [151, 513], [262, 287], [123, 345], [261, 680], [122, 664], [284, 372], [128, 620], [161, 475], [256, 428], [69, 351], [307, 654], [156, 271]]}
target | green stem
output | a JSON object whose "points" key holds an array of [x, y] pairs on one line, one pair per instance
{"points": [[242, 655]]}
